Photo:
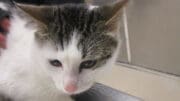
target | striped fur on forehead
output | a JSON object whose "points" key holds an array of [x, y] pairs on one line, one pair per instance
{"points": [[69, 18], [88, 24], [96, 27]]}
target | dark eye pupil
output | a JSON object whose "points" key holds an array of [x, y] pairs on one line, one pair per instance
{"points": [[87, 64], [55, 63]]}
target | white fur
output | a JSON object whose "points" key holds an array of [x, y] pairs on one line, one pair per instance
{"points": [[25, 72], [92, 7], [3, 6]]}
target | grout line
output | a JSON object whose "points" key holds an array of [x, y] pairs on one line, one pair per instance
{"points": [[152, 71], [126, 30]]}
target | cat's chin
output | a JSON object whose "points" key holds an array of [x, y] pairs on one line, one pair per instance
{"points": [[75, 93]]}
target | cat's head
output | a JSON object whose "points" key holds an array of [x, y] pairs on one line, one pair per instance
{"points": [[74, 42]]}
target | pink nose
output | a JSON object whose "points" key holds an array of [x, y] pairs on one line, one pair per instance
{"points": [[71, 88]]}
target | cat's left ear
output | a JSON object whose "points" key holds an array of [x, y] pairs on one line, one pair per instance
{"points": [[39, 13], [112, 13]]}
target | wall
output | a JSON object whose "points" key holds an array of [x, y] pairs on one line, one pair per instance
{"points": [[154, 29]]}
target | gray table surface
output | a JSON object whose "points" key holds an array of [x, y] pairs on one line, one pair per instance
{"points": [[101, 92]]}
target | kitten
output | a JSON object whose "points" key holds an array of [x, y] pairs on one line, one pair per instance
{"points": [[62, 54]]}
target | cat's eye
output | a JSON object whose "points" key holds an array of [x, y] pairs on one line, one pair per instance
{"points": [[87, 64], [55, 63]]}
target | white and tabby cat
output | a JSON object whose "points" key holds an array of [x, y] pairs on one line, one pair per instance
{"points": [[62, 54]]}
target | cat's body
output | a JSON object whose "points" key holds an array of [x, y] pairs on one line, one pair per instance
{"points": [[30, 69]]}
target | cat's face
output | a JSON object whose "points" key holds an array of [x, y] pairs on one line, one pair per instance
{"points": [[74, 42], [70, 71]]}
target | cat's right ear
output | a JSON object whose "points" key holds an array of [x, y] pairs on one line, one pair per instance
{"points": [[113, 13], [39, 13]]}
